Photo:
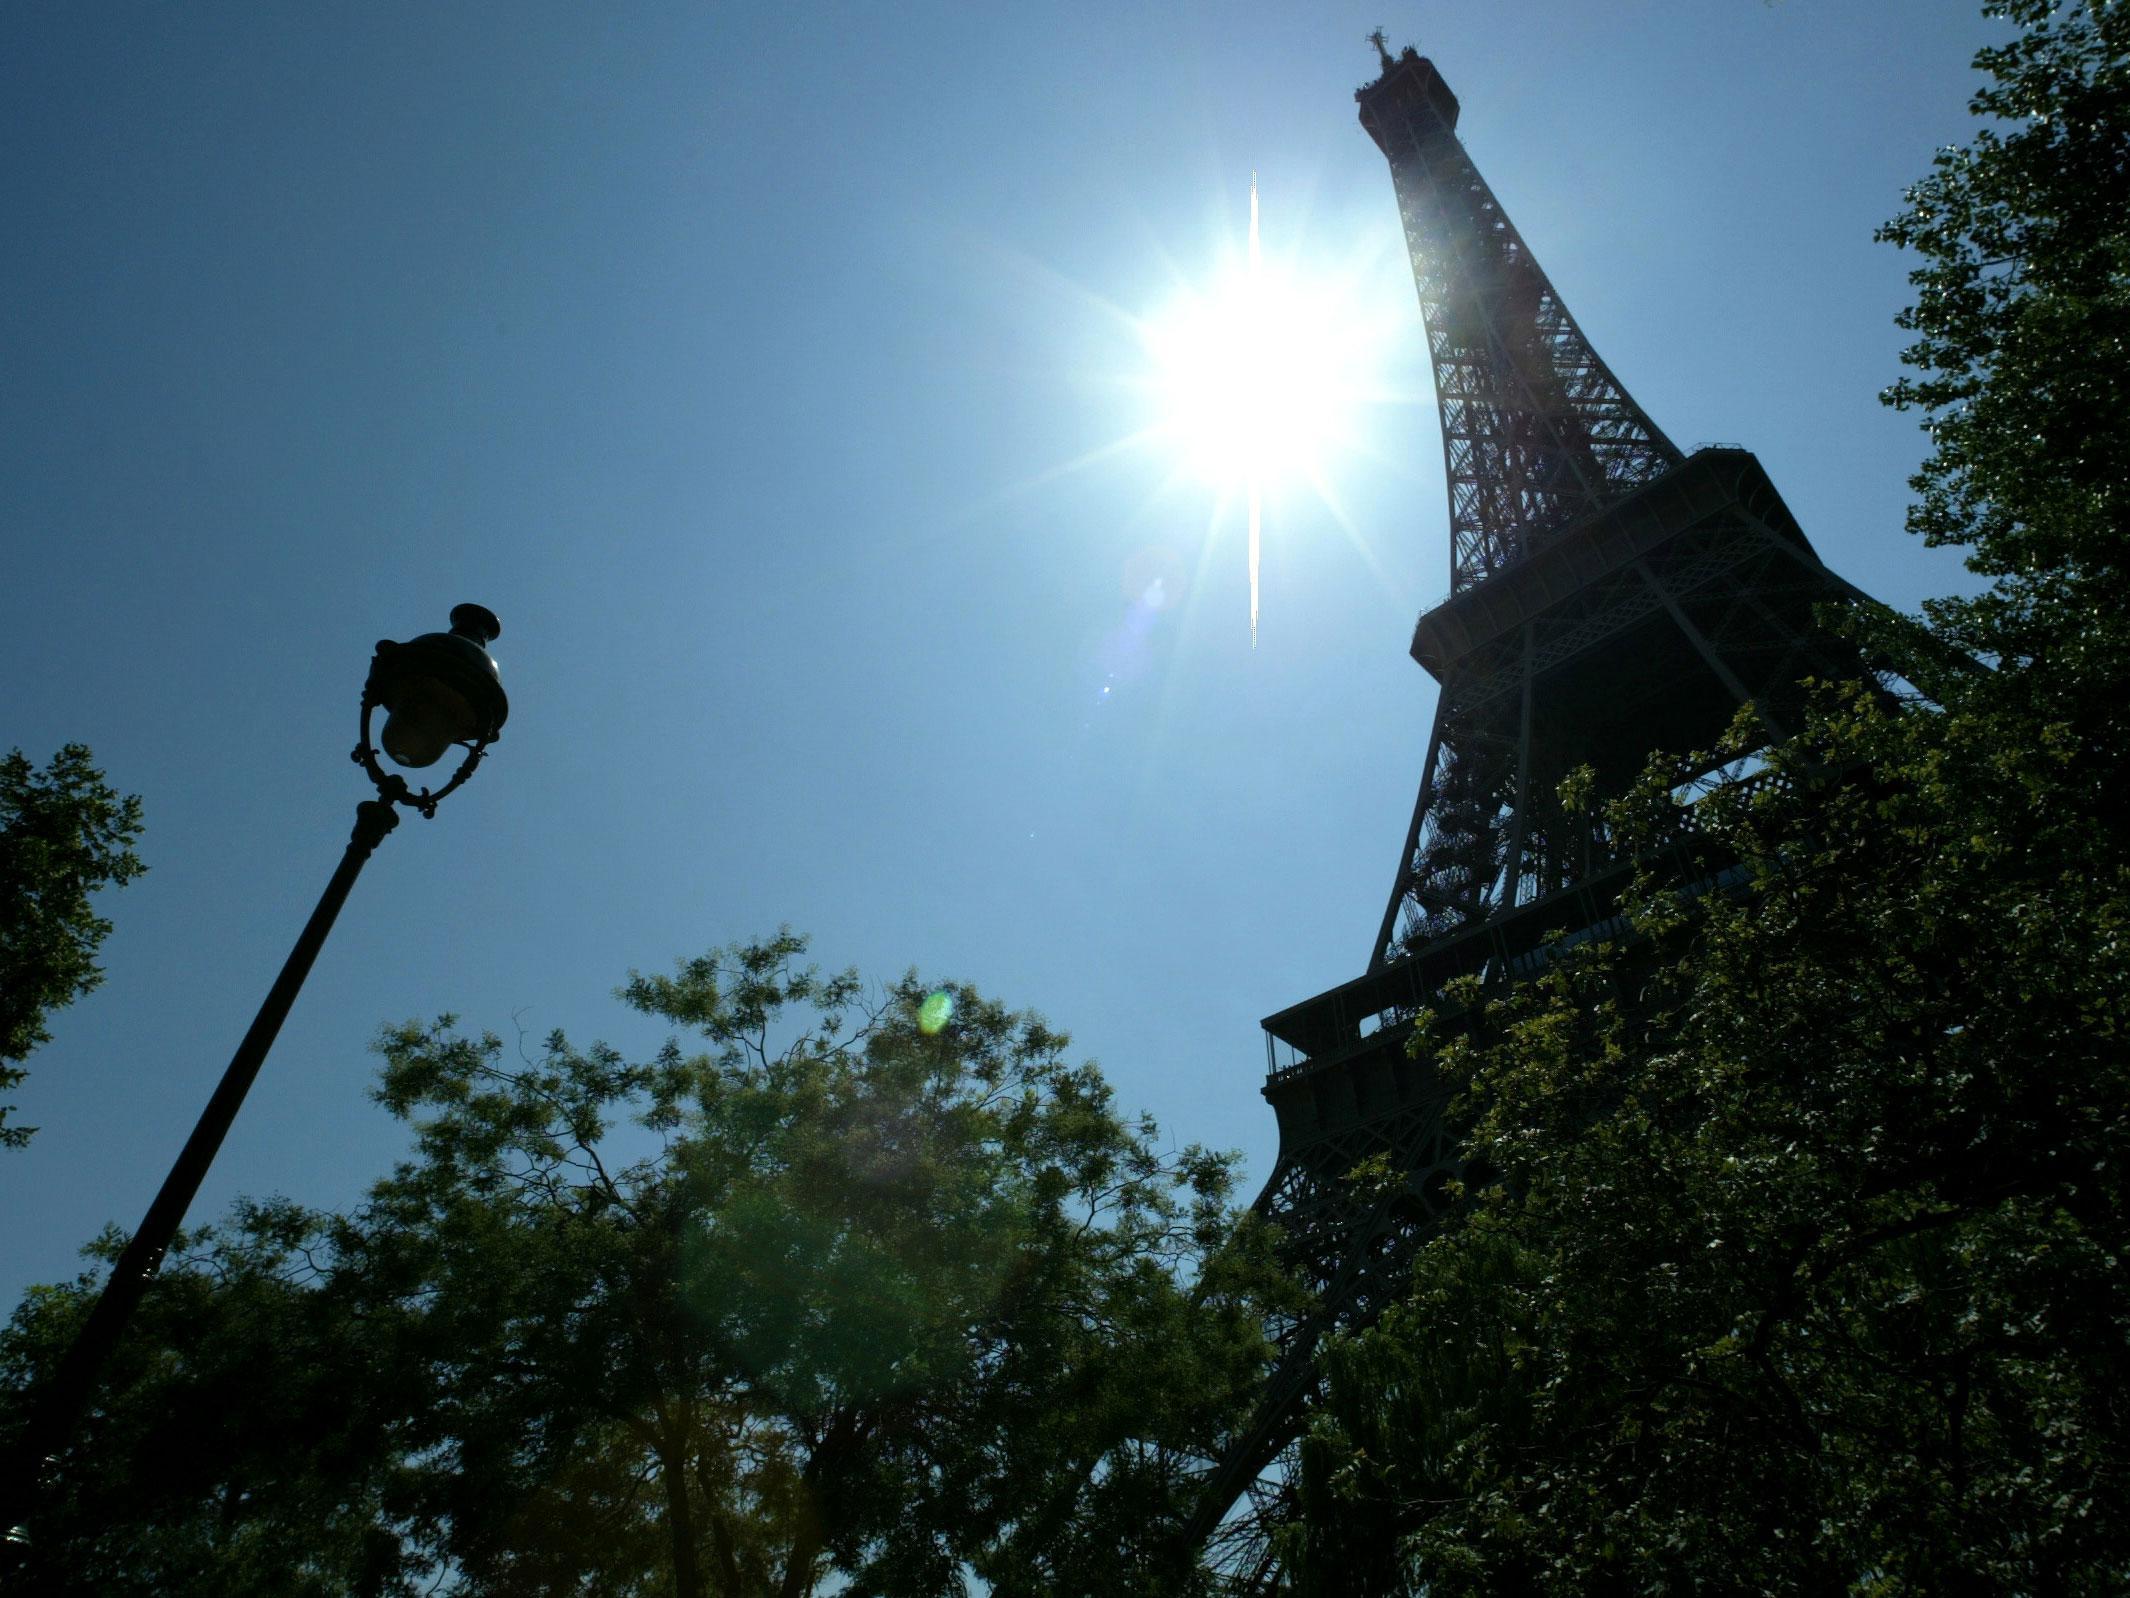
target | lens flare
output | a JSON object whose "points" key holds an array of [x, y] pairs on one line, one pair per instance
{"points": [[1153, 577], [936, 1011]]}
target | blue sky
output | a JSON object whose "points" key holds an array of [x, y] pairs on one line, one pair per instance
{"points": [[738, 358]]}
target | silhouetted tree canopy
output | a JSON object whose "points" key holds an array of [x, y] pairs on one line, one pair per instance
{"points": [[881, 1292], [1803, 1271], [64, 833]]}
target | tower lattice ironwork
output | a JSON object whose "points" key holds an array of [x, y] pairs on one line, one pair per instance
{"points": [[1609, 597]]}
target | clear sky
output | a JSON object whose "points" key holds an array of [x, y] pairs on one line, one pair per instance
{"points": [[761, 370]]}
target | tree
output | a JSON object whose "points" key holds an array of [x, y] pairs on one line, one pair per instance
{"points": [[882, 1289], [249, 1440], [2022, 317], [1801, 1269], [64, 833]]}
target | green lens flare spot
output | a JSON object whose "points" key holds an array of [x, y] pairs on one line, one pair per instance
{"points": [[936, 1011]]}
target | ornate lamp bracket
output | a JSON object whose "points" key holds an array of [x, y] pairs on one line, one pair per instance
{"points": [[391, 787]]}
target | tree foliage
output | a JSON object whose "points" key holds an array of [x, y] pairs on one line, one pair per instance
{"points": [[881, 1292], [2022, 353], [245, 1443], [1803, 1267], [1803, 1270], [64, 833]]}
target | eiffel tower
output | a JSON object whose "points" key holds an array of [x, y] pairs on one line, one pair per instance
{"points": [[1609, 597]]}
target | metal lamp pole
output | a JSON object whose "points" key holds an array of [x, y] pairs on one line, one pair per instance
{"points": [[438, 691]]}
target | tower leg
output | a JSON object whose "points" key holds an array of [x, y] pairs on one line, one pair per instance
{"points": [[1388, 930]]}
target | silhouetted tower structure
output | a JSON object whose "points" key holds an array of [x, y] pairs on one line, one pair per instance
{"points": [[1609, 597]]}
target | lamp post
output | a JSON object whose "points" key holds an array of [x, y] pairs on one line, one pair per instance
{"points": [[437, 691]]}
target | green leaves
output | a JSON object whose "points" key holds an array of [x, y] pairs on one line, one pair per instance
{"points": [[831, 1289], [64, 833], [247, 1404], [2023, 322]]}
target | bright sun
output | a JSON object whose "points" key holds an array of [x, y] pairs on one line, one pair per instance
{"points": [[1253, 378], [1258, 376], [1256, 381]]}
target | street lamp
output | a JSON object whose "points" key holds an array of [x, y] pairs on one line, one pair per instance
{"points": [[438, 691]]}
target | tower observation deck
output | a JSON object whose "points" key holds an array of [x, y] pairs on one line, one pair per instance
{"points": [[1609, 597]]}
